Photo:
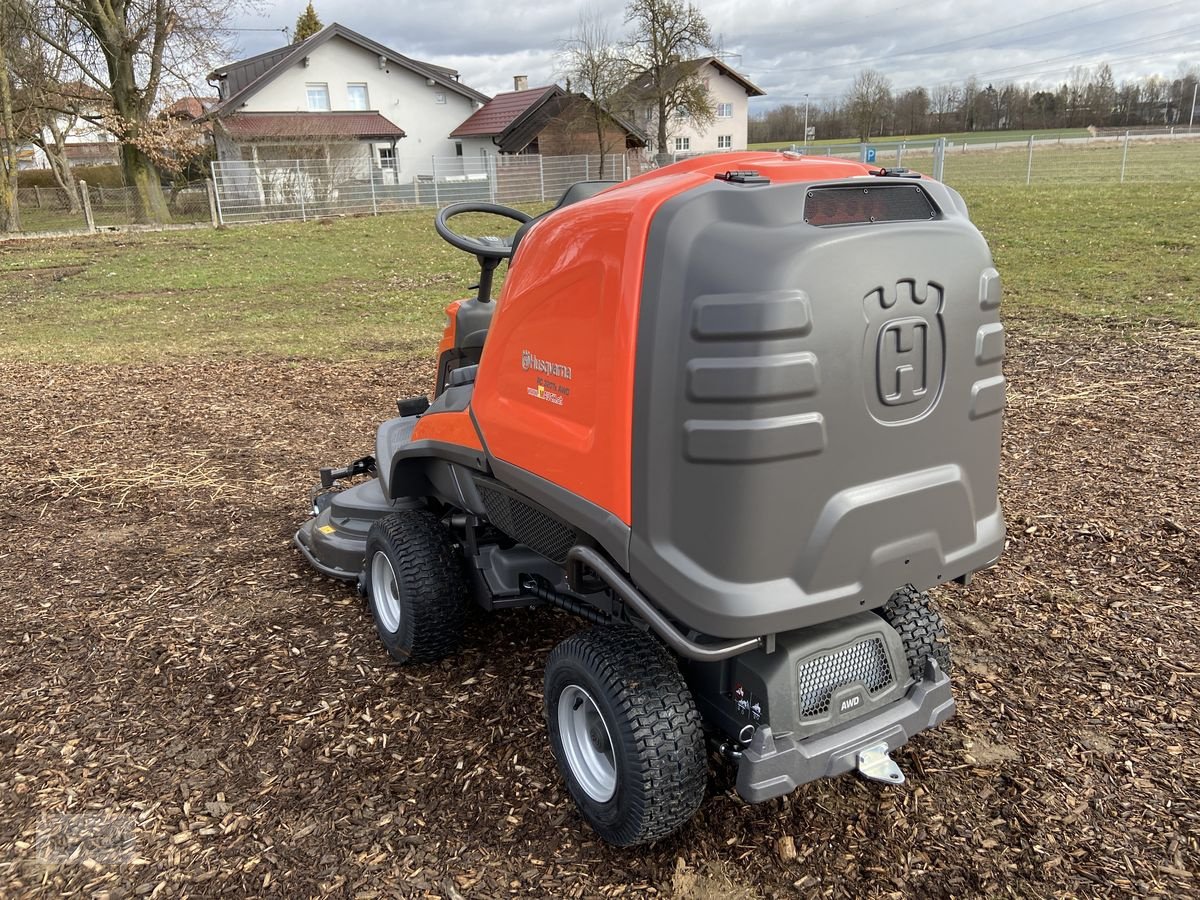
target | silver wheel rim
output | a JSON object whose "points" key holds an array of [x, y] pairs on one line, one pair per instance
{"points": [[587, 743], [385, 592]]}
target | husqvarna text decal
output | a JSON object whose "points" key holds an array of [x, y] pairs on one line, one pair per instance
{"points": [[550, 378]]}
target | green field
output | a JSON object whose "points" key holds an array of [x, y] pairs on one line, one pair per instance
{"points": [[376, 286], [957, 137]]}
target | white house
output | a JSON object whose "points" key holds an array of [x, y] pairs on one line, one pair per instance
{"points": [[729, 93], [340, 96]]}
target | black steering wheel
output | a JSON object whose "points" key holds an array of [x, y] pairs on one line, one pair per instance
{"points": [[486, 248]]}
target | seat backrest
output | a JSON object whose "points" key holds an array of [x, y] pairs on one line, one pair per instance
{"points": [[580, 190]]}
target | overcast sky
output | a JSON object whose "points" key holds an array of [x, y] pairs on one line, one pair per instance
{"points": [[786, 49]]}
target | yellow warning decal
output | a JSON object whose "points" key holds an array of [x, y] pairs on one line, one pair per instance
{"points": [[327, 529]]}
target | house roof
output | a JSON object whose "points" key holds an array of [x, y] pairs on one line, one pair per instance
{"points": [[683, 69], [361, 126], [559, 106], [514, 119], [244, 78], [495, 116], [190, 107]]}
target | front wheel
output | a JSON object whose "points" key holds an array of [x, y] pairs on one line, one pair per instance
{"points": [[416, 587], [626, 734]]}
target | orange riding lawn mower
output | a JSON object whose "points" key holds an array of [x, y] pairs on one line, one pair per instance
{"points": [[737, 414]]}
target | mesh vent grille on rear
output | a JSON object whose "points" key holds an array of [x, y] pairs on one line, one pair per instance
{"points": [[866, 661], [528, 525], [863, 205]]}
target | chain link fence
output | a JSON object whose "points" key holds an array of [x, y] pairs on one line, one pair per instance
{"points": [[90, 207], [278, 190], [286, 189]]}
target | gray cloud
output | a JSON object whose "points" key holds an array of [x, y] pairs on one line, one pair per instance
{"points": [[789, 49]]}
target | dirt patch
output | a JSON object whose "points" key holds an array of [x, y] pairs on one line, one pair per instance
{"points": [[43, 273], [189, 710]]}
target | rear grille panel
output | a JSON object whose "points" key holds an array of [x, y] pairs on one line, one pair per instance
{"points": [[527, 524], [866, 662], [863, 205]]}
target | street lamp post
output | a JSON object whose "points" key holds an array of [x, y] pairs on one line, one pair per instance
{"points": [[807, 121]]}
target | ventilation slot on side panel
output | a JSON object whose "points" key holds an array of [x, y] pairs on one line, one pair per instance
{"points": [[527, 524], [864, 205], [866, 661]]}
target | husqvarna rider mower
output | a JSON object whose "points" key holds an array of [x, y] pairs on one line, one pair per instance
{"points": [[737, 414]]}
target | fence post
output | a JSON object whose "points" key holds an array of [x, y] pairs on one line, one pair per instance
{"points": [[1124, 157], [492, 175], [1029, 164], [88, 219], [939, 159], [436, 200], [374, 205], [542, 176], [900, 155], [300, 193], [37, 194], [214, 202]]}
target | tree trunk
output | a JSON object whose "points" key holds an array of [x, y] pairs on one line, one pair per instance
{"points": [[141, 174], [60, 166], [10, 219], [664, 156]]}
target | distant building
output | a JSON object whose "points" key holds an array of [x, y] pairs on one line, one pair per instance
{"points": [[544, 120], [729, 91], [339, 95]]}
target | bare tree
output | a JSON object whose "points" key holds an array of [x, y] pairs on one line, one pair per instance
{"points": [[593, 64], [667, 36], [10, 140], [870, 97], [128, 49]]}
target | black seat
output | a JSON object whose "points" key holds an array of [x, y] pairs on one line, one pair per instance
{"points": [[580, 190]]}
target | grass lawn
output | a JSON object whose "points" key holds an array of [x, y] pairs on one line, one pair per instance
{"points": [[376, 286]]}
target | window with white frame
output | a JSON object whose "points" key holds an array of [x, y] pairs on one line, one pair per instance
{"points": [[439, 97], [318, 97], [387, 158], [356, 97], [724, 110], [682, 144], [724, 141]]}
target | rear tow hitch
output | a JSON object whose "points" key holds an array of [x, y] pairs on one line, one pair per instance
{"points": [[876, 764]]}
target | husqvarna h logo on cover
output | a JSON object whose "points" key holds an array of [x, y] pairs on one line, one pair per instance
{"points": [[905, 348]]}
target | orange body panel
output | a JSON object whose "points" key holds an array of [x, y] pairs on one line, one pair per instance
{"points": [[554, 394], [449, 428]]}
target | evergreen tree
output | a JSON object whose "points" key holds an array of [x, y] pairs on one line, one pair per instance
{"points": [[307, 24]]}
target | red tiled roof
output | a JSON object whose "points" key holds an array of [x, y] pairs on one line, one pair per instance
{"points": [[190, 107], [361, 126], [499, 112]]}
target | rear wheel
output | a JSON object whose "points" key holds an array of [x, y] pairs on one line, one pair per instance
{"points": [[913, 614], [415, 584], [626, 734]]}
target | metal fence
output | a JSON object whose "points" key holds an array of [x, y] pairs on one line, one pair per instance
{"points": [[277, 190], [1168, 156], [91, 207]]}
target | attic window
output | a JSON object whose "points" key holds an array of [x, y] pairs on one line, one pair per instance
{"points": [[318, 97], [439, 97]]}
